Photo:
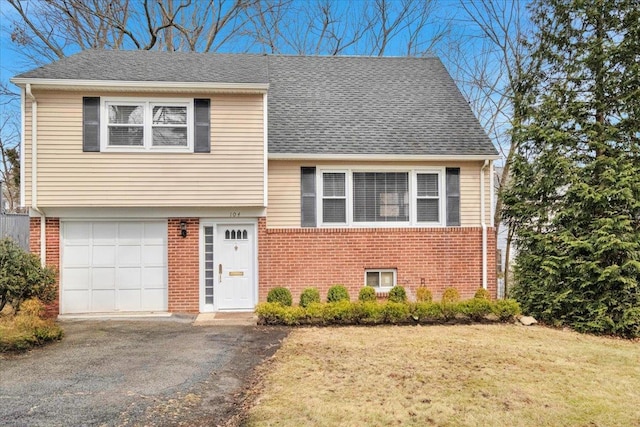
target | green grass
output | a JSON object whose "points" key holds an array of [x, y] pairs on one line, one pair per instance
{"points": [[478, 375]]}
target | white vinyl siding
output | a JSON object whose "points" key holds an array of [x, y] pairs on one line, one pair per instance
{"points": [[232, 174], [284, 187]]}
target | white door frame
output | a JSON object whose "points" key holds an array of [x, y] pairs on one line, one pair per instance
{"points": [[213, 222]]}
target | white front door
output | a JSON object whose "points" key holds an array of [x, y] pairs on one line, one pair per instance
{"points": [[229, 280]]}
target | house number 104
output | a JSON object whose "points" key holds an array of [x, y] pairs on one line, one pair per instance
{"points": [[234, 214]]}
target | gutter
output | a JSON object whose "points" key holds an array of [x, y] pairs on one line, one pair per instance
{"points": [[34, 173], [380, 157], [123, 85], [483, 223]]}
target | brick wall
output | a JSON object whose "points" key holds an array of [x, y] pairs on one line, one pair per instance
{"points": [[184, 267], [52, 259], [437, 257]]}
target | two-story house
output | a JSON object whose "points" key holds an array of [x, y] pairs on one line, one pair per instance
{"points": [[187, 182]]}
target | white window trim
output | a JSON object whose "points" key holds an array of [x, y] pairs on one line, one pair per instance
{"points": [[148, 104], [382, 289], [413, 195], [320, 199]]}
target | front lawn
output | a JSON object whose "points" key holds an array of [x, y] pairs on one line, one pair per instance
{"points": [[477, 375]]}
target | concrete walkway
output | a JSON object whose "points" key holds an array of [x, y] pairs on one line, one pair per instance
{"points": [[226, 319]]}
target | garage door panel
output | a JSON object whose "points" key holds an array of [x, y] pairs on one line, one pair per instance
{"points": [[103, 278], [153, 298], [103, 300], [105, 233], [155, 234], [130, 233], [77, 301], [77, 233], [114, 266], [129, 255], [103, 255], [78, 256], [129, 277], [154, 277], [153, 255], [130, 299], [76, 278]]}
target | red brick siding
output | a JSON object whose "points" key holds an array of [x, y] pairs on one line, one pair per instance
{"points": [[52, 259], [442, 257], [184, 266]]}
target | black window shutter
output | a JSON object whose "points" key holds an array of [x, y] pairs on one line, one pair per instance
{"points": [[453, 197], [308, 196], [90, 124], [202, 126]]}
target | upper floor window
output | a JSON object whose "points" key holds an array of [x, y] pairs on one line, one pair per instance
{"points": [[147, 125]]}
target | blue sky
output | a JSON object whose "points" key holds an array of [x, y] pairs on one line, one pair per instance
{"points": [[12, 60]]}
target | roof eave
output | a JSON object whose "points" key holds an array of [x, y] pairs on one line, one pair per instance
{"points": [[378, 157], [124, 85]]}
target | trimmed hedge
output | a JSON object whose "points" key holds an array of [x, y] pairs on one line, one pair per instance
{"points": [[280, 295], [345, 312], [337, 293], [309, 296], [367, 294], [397, 294]]}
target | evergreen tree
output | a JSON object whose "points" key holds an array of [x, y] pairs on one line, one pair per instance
{"points": [[574, 198]]}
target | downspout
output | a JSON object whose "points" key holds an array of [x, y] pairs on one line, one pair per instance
{"points": [[483, 222], [34, 174]]}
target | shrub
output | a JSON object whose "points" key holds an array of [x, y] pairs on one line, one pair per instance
{"points": [[315, 312], [475, 309], [450, 295], [426, 311], [27, 329], [308, 296], [397, 294], [370, 312], [482, 294], [506, 309], [337, 293], [280, 295], [395, 312], [339, 312], [274, 313], [367, 294], [423, 294], [22, 277]]}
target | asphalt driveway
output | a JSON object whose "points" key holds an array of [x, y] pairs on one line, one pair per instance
{"points": [[116, 373]]}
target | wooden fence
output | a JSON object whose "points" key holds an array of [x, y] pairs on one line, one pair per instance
{"points": [[15, 226]]}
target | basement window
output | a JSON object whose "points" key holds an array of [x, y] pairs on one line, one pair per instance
{"points": [[381, 280]]}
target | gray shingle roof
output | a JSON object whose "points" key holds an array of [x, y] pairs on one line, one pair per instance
{"points": [[358, 105], [154, 66], [317, 104]]}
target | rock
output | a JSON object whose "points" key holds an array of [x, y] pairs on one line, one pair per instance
{"points": [[527, 320]]}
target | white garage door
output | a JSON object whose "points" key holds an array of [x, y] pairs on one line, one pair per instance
{"points": [[110, 266]]}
